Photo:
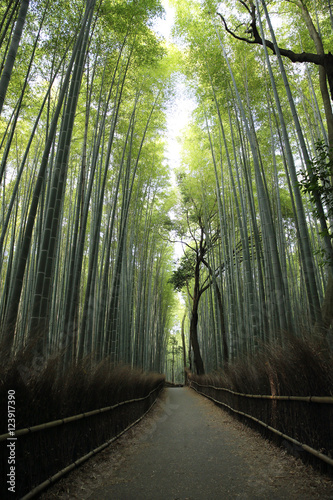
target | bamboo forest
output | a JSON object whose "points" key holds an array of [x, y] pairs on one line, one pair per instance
{"points": [[166, 199], [91, 208]]}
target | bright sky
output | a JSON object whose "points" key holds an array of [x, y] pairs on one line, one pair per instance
{"points": [[179, 111]]}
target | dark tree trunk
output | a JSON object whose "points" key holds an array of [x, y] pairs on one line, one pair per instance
{"points": [[221, 312], [198, 363], [199, 366]]}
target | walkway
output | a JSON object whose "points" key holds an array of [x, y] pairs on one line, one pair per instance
{"points": [[191, 449]]}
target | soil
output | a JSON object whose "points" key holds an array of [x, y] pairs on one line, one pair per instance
{"points": [[187, 448]]}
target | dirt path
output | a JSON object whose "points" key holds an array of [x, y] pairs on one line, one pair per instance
{"points": [[190, 449]]}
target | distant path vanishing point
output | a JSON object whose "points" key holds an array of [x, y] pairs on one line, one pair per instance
{"points": [[191, 449]]}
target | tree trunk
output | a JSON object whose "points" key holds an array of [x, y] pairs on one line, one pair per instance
{"points": [[47, 252], [198, 363], [327, 305], [326, 239], [23, 250], [199, 366]]}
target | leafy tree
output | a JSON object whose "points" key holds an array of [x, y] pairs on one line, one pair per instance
{"points": [[11, 56], [175, 351], [196, 228]]}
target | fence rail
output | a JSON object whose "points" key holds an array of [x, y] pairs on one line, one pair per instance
{"points": [[55, 423], [324, 400], [306, 399], [51, 480], [67, 443]]}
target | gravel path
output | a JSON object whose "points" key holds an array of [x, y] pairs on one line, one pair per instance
{"points": [[188, 448]]}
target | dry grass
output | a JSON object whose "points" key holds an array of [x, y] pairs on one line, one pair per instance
{"points": [[44, 392], [301, 367]]}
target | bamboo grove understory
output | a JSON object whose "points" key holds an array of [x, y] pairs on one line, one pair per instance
{"points": [[89, 212]]}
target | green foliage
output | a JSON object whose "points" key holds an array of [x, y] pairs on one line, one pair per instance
{"points": [[118, 208], [184, 272], [318, 179], [113, 209]]}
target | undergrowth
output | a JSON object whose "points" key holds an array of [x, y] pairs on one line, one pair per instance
{"points": [[301, 367], [50, 393], [45, 392]]}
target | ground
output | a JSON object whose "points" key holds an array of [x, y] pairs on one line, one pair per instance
{"points": [[188, 448]]}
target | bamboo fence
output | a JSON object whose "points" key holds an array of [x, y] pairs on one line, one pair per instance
{"points": [[35, 430], [46, 484], [307, 399]]}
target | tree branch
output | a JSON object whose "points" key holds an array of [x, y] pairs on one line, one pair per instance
{"points": [[202, 290], [191, 233], [164, 238], [290, 54], [188, 290]]}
